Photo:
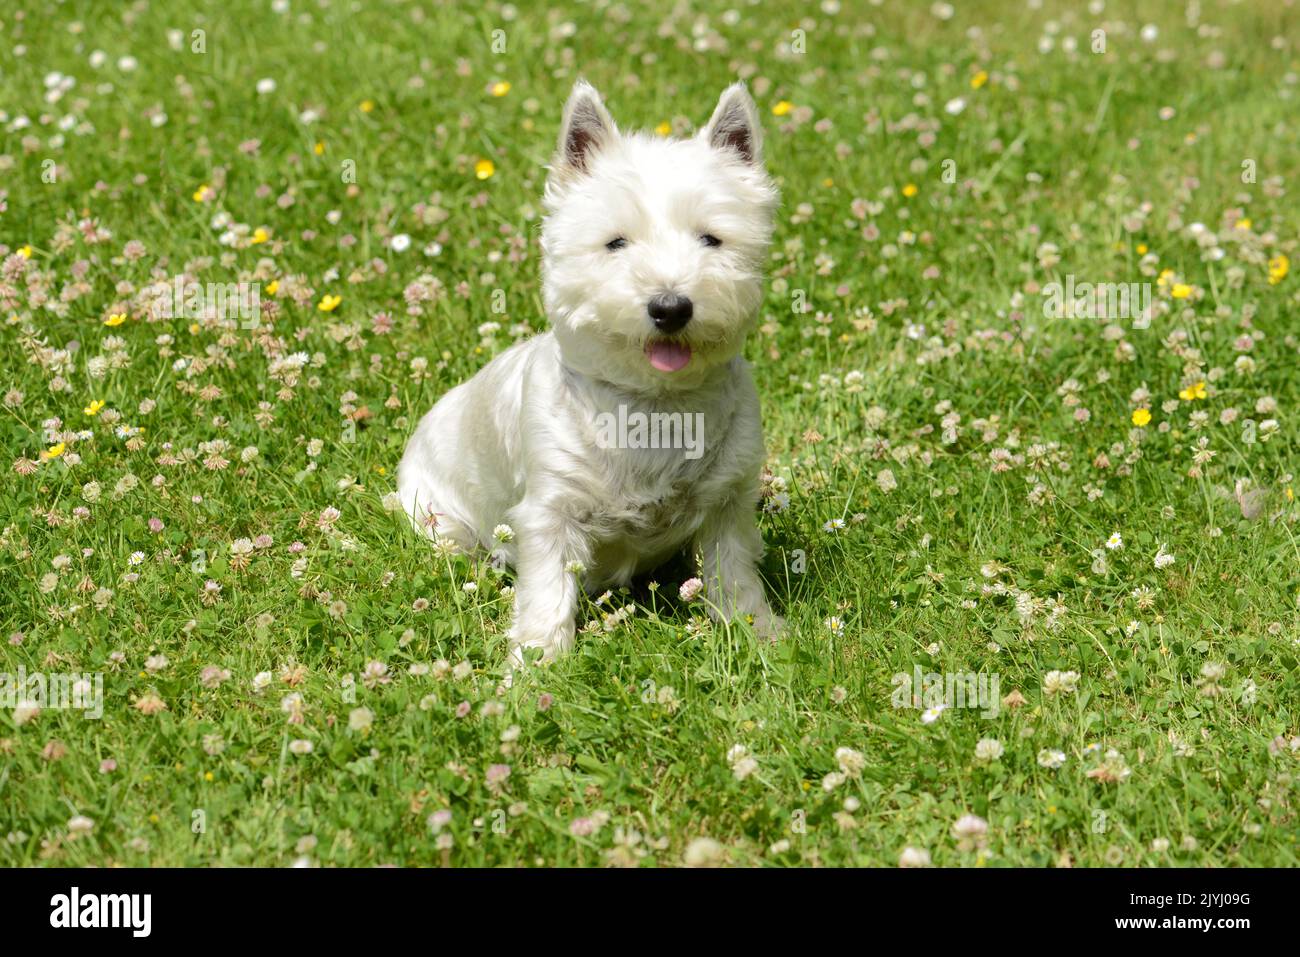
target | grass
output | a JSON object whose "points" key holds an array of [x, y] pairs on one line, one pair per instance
{"points": [[915, 229]]}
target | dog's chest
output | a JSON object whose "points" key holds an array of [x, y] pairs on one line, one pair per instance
{"points": [[640, 527], [648, 475], [654, 494]]}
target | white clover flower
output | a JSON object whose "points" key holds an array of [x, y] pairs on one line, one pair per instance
{"points": [[914, 857], [704, 852], [1213, 671], [744, 768], [1051, 759], [851, 762], [988, 749], [970, 831], [1060, 682], [1249, 692]]}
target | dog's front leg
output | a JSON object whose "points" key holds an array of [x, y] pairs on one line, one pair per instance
{"points": [[730, 546], [551, 551]]}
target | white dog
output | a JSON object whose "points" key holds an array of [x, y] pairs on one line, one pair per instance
{"points": [[653, 251]]}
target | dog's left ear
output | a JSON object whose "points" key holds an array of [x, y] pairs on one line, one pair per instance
{"points": [[734, 125], [586, 129]]}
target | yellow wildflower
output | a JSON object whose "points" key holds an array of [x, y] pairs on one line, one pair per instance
{"points": [[367, 106], [1142, 249], [484, 169], [1278, 267], [1241, 224], [1181, 290], [909, 190], [1193, 392], [260, 236], [329, 303], [273, 287], [782, 108], [319, 148], [203, 193], [25, 251], [500, 88], [94, 407], [979, 79], [54, 451], [664, 128], [1141, 417], [116, 319]]}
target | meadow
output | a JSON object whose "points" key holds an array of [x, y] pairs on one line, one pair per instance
{"points": [[245, 245]]}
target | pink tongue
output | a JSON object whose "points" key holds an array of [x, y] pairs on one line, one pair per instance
{"points": [[668, 356]]}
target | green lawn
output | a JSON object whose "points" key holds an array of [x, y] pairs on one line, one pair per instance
{"points": [[964, 482]]}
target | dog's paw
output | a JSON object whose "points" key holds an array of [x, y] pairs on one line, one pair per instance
{"points": [[769, 625], [553, 642]]}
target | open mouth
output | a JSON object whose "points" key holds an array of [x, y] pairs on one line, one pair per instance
{"points": [[668, 355]]}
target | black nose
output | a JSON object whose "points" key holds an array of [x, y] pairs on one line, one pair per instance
{"points": [[670, 311]]}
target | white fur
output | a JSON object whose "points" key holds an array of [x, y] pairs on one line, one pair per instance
{"points": [[516, 444]]}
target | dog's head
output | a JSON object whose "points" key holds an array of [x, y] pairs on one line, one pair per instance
{"points": [[653, 248]]}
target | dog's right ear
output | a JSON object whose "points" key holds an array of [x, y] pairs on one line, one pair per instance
{"points": [[735, 125], [586, 128]]}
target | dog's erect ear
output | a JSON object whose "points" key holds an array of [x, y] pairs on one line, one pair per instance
{"points": [[735, 126], [586, 128]]}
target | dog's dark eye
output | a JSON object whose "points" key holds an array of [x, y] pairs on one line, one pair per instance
{"points": [[711, 240], [614, 244]]}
